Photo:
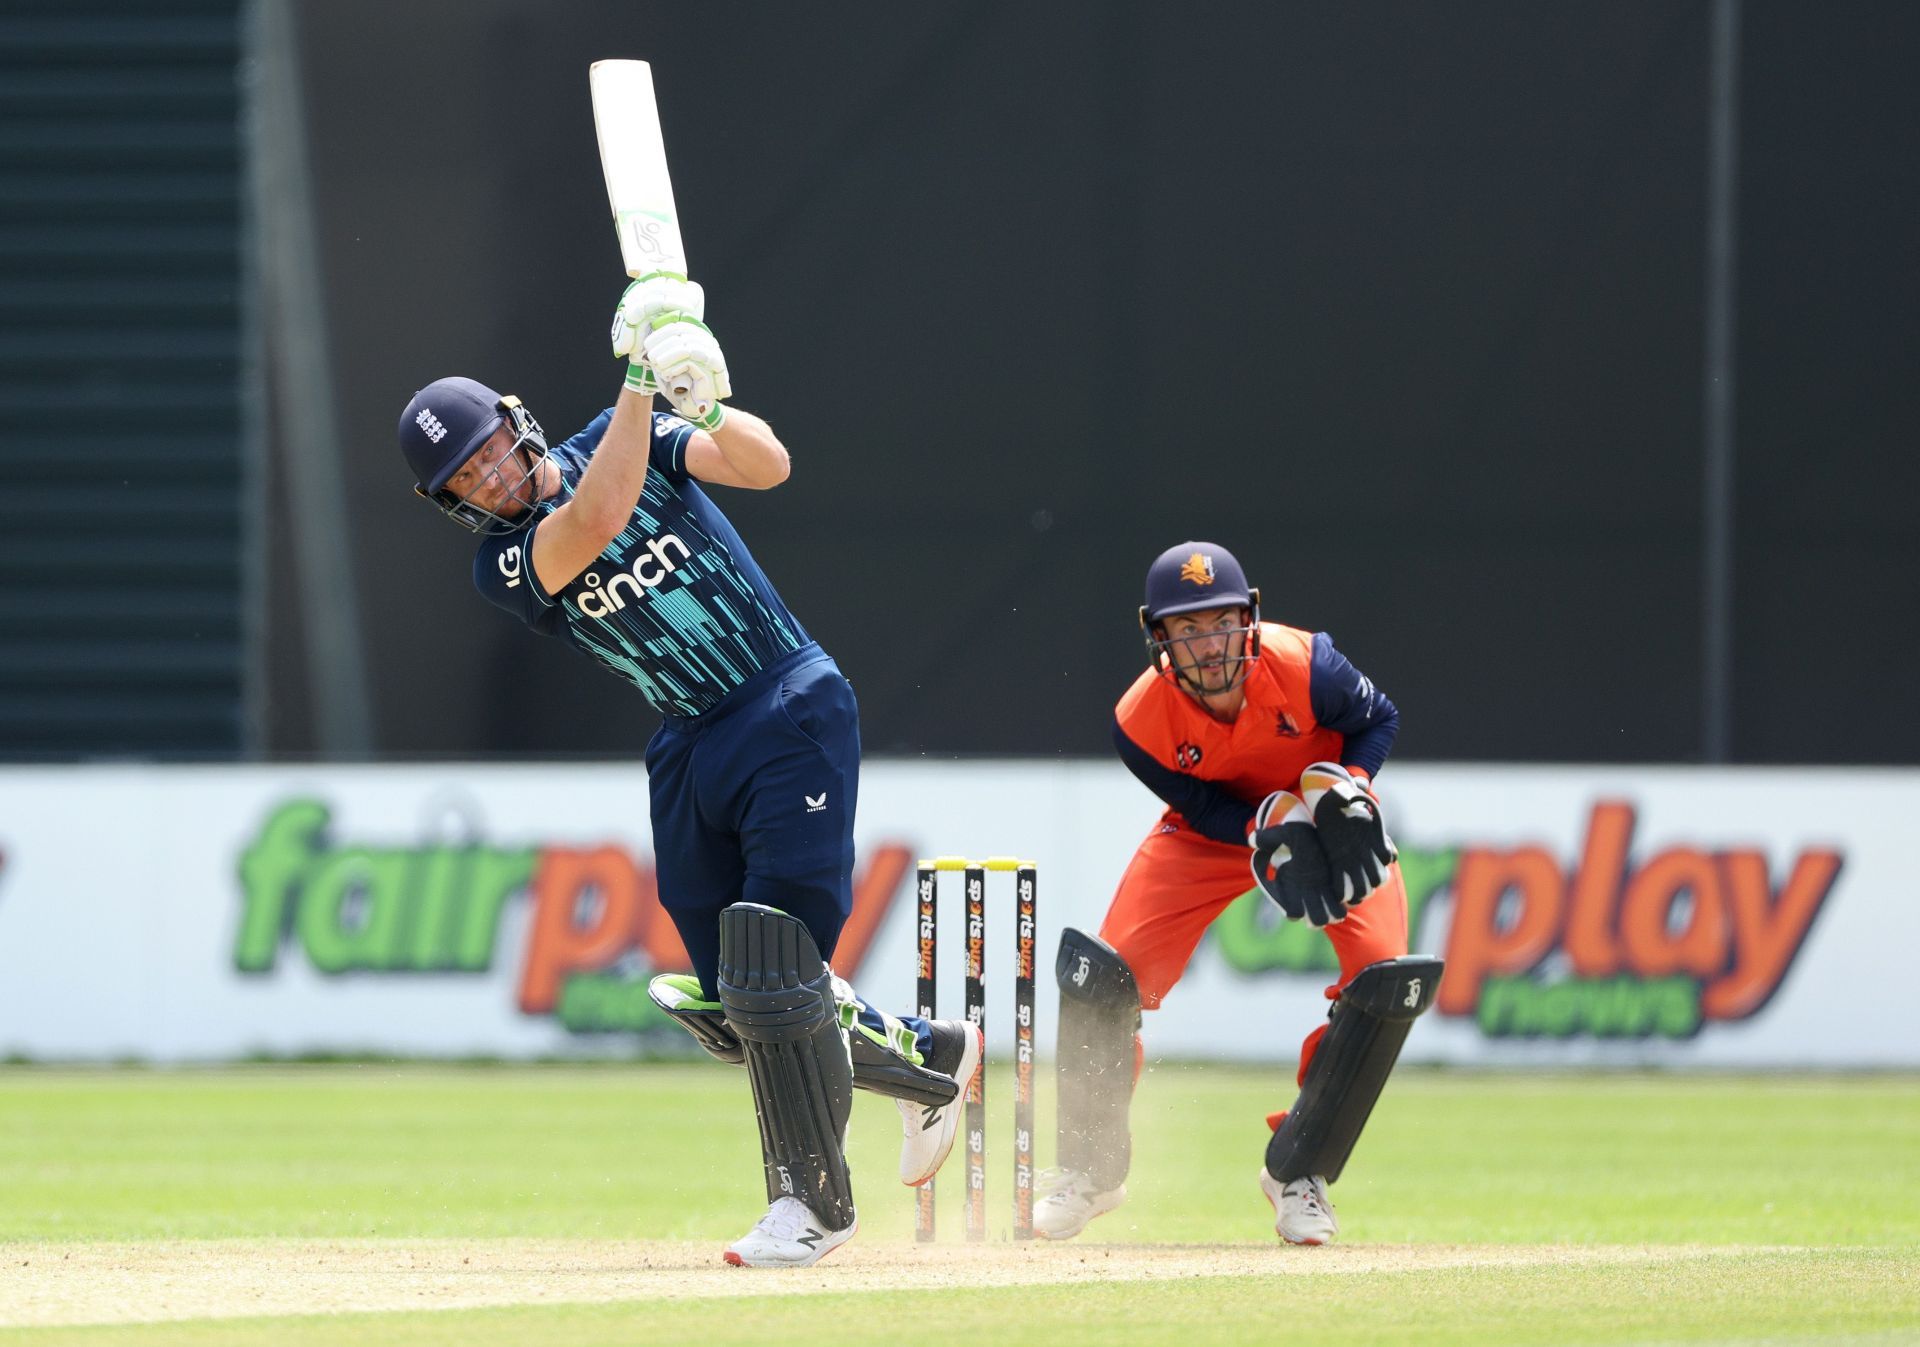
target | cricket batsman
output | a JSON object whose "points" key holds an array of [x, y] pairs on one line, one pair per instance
{"points": [[1263, 741], [610, 543]]}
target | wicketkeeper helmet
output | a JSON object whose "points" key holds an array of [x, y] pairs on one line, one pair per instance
{"points": [[1186, 579]]}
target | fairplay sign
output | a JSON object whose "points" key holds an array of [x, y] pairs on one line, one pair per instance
{"points": [[1599, 942], [1589, 916]]}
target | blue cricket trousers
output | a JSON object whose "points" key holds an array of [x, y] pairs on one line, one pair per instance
{"points": [[753, 801]]}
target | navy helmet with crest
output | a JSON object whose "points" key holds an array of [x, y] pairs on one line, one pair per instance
{"points": [[1189, 578], [446, 424]]}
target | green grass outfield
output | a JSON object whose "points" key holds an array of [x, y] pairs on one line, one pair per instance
{"points": [[1480, 1208]]}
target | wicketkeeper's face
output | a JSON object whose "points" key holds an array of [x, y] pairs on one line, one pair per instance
{"points": [[1208, 648]]}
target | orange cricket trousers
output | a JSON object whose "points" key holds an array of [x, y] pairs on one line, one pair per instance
{"points": [[1179, 881]]}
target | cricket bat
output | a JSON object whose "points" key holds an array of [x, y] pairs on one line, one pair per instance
{"points": [[634, 159]]}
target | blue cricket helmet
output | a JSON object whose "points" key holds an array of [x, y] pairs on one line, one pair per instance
{"points": [[444, 425], [447, 423], [1190, 577]]}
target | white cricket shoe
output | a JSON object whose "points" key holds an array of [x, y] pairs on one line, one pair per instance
{"points": [[929, 1129], [1302, 1212], [1068, 1200], [789, 1235]]}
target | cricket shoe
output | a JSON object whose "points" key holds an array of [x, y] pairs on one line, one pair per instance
{"points": [[1302, 1212], [789, 1235], [929, 1129], [1068, 1200]]}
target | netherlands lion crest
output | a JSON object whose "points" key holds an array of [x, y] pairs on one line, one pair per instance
{"points": [[1197, 569]]}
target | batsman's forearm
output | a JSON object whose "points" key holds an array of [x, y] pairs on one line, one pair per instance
{"points": [[610, 487], [752, 449]]}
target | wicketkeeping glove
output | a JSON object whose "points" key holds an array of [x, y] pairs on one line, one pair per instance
{"points": [[1289, 864], [691, 368], [1351, 830]]}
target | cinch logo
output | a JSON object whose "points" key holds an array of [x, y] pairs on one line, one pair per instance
{"points": [[430, 423], [1187, 756], [649, 568], [1197, 569], [595, 931], [1606, 946]]}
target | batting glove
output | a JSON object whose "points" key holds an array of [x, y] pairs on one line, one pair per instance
{"points": [[692, 369], [641, 378], [1351, 830], [1289, 863], [647, 299]]}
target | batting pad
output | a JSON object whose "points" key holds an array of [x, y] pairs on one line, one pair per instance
{"points": [[778, 998]]}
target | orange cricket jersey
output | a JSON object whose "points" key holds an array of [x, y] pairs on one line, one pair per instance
{"points": [[1188, 869], [1265, 748]]}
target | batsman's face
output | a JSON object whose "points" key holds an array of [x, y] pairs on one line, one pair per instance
{"points": [[1207, 646], [496, 478]]}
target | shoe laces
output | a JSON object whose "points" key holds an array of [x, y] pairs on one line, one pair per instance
{"points": [[1064, 1183], [786, 1218], [1310, 1196]]}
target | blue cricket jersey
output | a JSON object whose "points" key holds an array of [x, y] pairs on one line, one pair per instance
{"points": [[676, 604]]}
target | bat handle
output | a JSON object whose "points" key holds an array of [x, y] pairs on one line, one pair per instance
{"points": [[682, 387]]}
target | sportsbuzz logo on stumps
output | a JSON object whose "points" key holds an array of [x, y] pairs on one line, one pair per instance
{"points": [[1600, 945], [595, 934]]}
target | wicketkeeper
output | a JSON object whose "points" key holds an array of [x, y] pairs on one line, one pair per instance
{"points": [[1263, 741], [610, 543]]}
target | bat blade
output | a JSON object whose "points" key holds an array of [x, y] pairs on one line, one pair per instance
{"points": [[633, 157]]}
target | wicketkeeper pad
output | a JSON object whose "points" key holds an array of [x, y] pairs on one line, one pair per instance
{"points": [[778, 997], [1367, 1026], [1099, 1017]]}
